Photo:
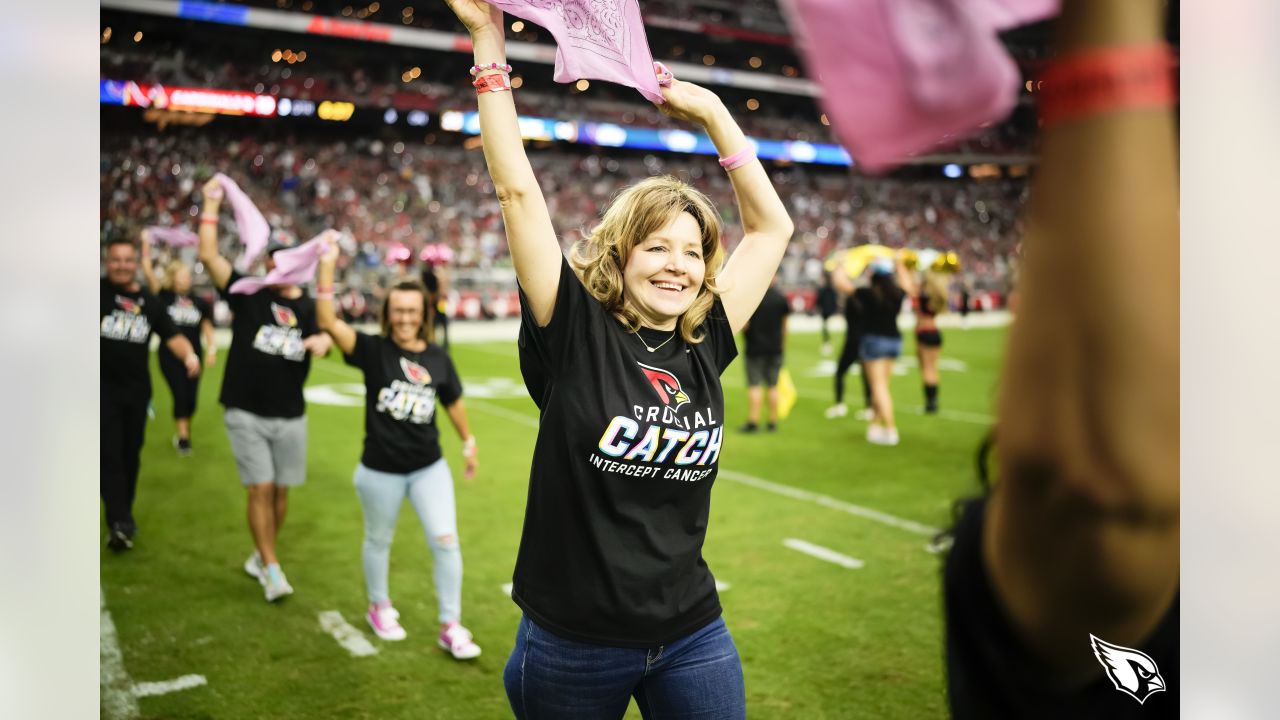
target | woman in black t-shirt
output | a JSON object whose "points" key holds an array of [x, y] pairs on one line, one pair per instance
{"points": [[882, 341], [194, 319], [623, 351], [405, 373]]}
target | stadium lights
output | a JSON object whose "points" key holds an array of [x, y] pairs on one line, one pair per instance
{"points": [[275, 56], [106, 35], [823, 119], [137, 37], [708, 59], [952, 170], [755, 62], [753, 104], [582, 85], [517, 26]]}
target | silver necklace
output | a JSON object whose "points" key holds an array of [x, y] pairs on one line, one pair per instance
{"points": [[654, 349]]}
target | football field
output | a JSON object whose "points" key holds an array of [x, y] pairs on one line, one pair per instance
{"points": [[818, 539]]}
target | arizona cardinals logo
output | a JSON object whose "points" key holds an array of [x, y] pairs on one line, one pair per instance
{"points": [[183, 302], [666, 385], [416, 374], [284, 315], [1131, 671], [129, 305]]}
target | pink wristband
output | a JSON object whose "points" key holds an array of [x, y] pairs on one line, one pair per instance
{"points": [[324, 295], [738, 159]]}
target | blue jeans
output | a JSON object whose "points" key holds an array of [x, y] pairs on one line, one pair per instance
{"points": [[430, 491], [697, 677], [877, 347]]}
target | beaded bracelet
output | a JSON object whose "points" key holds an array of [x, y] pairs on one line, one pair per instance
{"points": [[477, 69]]}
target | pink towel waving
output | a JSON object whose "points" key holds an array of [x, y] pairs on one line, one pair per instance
{"points": [[293, 266], [898, 76], [595, 39], [175, 236], [253, 228]]}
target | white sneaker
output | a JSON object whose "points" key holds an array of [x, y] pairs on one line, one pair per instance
{"points": [[274, 583], [877, 435], [838, 410], [384, 620], [457, 640], [253, 566], [865, 414]]}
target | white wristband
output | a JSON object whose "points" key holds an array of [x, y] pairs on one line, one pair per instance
{"points": [[469, 445]]}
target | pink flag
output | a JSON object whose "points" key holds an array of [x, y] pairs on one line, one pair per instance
{"points": [[293, 266], [253, 228], [899, 76], [595, 39], [175, 236]]}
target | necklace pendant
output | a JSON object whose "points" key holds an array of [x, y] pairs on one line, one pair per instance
{"points": [[651, 349]]}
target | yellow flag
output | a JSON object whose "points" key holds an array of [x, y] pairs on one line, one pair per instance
{"points": [[786, 394]]}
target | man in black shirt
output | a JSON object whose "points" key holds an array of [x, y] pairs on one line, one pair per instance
{"points": [[127, 317], [765, 336], [273, 335]]}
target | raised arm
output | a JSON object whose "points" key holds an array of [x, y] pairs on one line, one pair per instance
{"points": [[535, 251], [218, 267], [906, 278], [766, 226], [326, 314], [841, 281], [1086, 505], [458, 416], [148, 269]]}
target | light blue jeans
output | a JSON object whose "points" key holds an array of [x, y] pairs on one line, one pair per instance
{"points": [[431, 492]]}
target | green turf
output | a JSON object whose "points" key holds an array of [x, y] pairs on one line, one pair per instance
{"points": [[817, 640]]}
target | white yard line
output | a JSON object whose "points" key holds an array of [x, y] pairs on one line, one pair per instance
{"points": [[823, 553], [185, 682], [828, 501], [118, 701], [351, 639]]}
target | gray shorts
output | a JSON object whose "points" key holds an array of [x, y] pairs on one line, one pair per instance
{"points": [[267, 449], [763, 370]]}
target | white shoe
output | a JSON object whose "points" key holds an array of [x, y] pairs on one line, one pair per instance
{"points": [[838, 410], [274, 583], [457, 640], [253, 566], [866, 414], [877, 435], [826, 349], [385, 621]]}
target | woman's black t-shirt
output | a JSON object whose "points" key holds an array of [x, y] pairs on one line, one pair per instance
{"points": [[126, 319], [992, 674], [186, 312], [620, 485], [880, 318], [267, 364], [401, 388]]}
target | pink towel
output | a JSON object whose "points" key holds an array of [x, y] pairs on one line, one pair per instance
{"points": [[595, 39], [175, 236], [253, 228], [293, 266], [898, 76]]}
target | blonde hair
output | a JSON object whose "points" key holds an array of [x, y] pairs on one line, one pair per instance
{"points": [[636, 213], [936, 292], [171, 269]]}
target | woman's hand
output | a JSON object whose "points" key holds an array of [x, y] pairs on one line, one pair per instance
{"points": [[211, 357], [685, 100], [331, 250], [477, 16], [212, 190]]}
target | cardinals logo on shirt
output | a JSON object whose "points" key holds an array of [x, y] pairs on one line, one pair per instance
{"points": [[416, 374], [128, 305], [1132, 672], [666, 385], [284, 315]]}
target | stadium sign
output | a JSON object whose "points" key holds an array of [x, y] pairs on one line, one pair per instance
{"points": [[218, 102]]}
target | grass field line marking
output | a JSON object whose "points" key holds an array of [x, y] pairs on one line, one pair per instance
{"points": [[828, 501], [823, 553], [351, 639], [186, 682], [118, 701], [498, 410]]}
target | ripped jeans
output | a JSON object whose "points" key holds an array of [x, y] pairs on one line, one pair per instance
{"points": [[430, 490]]}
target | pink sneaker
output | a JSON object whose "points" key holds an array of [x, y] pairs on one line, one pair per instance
{"points": [[385, 621], [457, 640]]}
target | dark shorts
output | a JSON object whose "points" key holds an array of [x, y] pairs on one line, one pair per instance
{"points": [[763, 370], [929, 338]]}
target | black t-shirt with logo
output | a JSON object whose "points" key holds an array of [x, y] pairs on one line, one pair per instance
{"points": [[991, 673], [187, 312], [126, 321], [764, 331], [267, 364], [620, 485], [401, 388], [880, 318]]}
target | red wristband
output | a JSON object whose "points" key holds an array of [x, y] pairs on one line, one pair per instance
{"points": [[208, 221], [1108, 80], [496, 82]]}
